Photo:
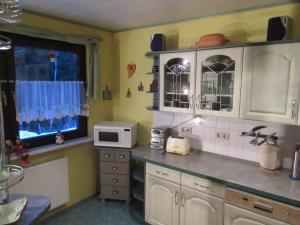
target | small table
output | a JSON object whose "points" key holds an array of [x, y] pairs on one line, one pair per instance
{"points": [[37, 206]]}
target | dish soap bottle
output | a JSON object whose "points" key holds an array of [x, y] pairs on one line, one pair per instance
{"points": [[269, 155]]}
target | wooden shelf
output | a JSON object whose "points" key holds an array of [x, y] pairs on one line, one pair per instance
{"points": [[137, 211], [151, 108], [152, 73], [139, 173], [138, 192]]}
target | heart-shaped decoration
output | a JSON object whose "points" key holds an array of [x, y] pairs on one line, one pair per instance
{"points": [[131, 69]]}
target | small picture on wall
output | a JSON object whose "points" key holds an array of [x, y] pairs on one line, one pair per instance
{"points": [[106, 94]]}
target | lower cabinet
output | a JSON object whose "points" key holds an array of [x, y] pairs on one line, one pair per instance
{"points": [[200, 209], [238, 216], [162, 201], [172, 203]]}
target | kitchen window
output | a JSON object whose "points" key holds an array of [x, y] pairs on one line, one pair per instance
{"points": [[42, 85]]}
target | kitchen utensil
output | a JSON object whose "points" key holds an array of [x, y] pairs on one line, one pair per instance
{"points": [[296, 163], [179, 145], [269, 155]]}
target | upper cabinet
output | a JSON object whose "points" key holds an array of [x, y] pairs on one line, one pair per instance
{"points": [[218, 82], [271, 83], [177, 80]]}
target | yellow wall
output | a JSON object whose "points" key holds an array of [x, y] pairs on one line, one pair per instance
{"points": [[119, 49], [83, 159], [131, 45]]}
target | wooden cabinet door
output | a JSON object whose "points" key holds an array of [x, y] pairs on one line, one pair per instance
{"points": [[198, 208], [239, 216], [162, 202], [271, 83], [218, 82], [177, 81]]}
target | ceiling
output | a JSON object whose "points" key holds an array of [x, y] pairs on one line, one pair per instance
{"points": [[117, 15]]}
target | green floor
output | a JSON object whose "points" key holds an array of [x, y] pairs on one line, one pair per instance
{"points": [[93, 212]]}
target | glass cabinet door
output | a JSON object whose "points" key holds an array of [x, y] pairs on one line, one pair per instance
{"points": [[177, 74], [218, 82]]}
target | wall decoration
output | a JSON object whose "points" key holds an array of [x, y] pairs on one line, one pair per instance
{"points": [[141, 86], [128, 93], [106, 93], [154, 86], [131, 69]]}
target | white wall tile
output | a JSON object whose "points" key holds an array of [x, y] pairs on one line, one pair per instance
{"points": [[204, 135]]}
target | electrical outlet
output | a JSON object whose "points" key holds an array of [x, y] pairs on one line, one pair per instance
{"points": [[186, 130], [223, 136]]}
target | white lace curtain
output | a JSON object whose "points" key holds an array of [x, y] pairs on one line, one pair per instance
{"points": [[45, 100]]}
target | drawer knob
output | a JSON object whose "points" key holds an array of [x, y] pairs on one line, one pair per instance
{"points": [[115, 180], [114, 168], [107, 155], [122, 156], [115, 192]]}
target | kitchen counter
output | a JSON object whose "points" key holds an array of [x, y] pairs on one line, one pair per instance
{"points": [[235, 173]]}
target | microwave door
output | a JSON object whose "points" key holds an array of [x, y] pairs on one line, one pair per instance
{"points": [[109, 137]]}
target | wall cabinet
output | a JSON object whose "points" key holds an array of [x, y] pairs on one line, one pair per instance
{"points": [[253, 82], [177, 81], [271, 83], [173, 198], [218, 82]]}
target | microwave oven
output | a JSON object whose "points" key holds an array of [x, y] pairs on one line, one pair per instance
{"points": [[115, 134]]}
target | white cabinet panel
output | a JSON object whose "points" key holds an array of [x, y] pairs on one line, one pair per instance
{"points": [[271, 83], [238, 216], [177, 80], [200, 209], [218, 82], [162, 202]]}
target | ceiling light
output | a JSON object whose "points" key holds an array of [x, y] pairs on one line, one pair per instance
{"points": [[10, 11]]}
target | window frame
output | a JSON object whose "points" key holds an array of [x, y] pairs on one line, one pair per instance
{"points": [[9, 113]]}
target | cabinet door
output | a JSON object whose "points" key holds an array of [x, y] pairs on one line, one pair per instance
{"points": [[162, 202], [238, 216], [271, 83], [218, 82], [177, 80], [200, 209]]}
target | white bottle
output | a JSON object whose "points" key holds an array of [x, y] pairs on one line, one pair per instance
{"points": [[269, 155]]}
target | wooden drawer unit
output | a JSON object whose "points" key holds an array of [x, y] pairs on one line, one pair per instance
{"points": [[115, 192], [115, 173], [115, 180]]}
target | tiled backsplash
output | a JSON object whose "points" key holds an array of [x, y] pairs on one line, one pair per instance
{"points": [[204, 135]]}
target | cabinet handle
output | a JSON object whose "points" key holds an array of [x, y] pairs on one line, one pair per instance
{"points": [[114, 168], [182, 199], [107, 155], [115, 180], [4, 98], [294, 108], [176, 198], [161, 173], [200, 185], [115, 192], [263, 207], [122, 156], [191, 101], [197, 101]]}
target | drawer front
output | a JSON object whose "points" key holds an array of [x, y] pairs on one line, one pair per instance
{"points": [[114, 192], [122, 156], [115, 180], [162, 172], [204, 185], [107, 155], [114, 167]]}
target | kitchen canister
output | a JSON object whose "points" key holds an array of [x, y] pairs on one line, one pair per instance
{"points": [[269, 155]]}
